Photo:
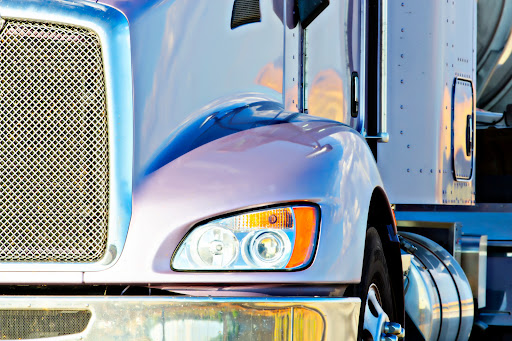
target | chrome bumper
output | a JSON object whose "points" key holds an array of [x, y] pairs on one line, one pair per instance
{"points": [[183, 318]]}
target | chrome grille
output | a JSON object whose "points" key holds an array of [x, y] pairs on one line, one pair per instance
{"points": [[34, 324], [54, 174]]}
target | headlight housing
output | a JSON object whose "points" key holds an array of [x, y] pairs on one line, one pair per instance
{"points": [[280, 238]]}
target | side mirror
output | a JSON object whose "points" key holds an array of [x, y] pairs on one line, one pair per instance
{"points": [[310, 9]]}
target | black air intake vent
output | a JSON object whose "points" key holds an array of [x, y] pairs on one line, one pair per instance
{"points": [[245, 12]]}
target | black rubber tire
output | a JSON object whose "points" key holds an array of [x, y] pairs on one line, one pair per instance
{"points": [[375, 271]]}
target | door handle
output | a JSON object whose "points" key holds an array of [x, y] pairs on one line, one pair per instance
{"points": [[469, 135], [355, 95]]}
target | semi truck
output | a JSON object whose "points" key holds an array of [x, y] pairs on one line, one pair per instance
{"points": [[254, 170]]}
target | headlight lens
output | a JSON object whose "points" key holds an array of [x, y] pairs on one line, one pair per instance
{"points": [[267, 249], [216, 247], [278, 238]]}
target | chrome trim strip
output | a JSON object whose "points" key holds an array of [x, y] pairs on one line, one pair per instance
{"points": [[189, 318], [303, 80], [384, 74], [113, 29], [362, 72], [382, 79]]}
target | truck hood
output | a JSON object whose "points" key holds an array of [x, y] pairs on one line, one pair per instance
{"points": [[185, 67]]}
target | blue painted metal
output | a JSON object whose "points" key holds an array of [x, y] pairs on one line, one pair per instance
{"points": [[489, 219]]}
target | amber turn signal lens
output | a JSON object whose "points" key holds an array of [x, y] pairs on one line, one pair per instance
{"points": [[279, 218], [305, 226]]}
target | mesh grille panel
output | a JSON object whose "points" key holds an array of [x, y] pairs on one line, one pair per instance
{"points": [[53, 144], [32, 324]]}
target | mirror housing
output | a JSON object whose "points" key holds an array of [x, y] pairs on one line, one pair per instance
{"points": [[310, 9]]}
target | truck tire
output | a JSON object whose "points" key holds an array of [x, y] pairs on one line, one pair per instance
{"points": [[374, 290]]}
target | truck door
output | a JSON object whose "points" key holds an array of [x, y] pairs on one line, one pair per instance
{"points": [[329, 49]]}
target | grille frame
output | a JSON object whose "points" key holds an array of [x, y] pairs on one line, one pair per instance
{"points": [[112, 28]]}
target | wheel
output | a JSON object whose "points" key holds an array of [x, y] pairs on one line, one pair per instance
{"points": [[375, 293]]}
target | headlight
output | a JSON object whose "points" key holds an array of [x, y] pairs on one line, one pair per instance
{"points": [[272, 239]]}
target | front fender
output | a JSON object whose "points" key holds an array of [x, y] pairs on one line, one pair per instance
{"points": [[304, 159]]}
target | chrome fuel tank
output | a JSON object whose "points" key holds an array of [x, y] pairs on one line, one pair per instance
{"points": [[438, 298]]}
